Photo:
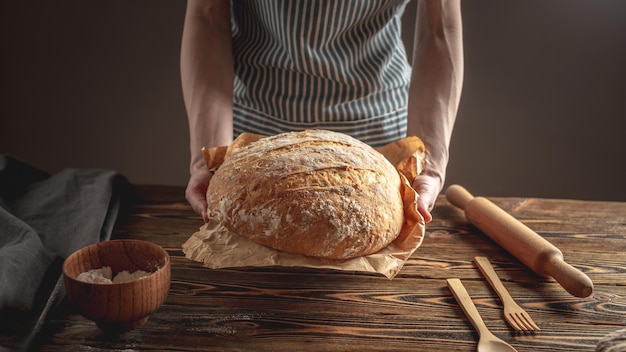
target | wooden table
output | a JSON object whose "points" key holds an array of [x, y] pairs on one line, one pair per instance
{"points": [[296, 309]]}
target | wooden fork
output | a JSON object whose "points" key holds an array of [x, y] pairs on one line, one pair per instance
{"points": [[515, 315]]}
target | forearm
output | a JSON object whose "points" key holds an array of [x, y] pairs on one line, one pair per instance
{"points": [[437, 79], [207, 76]]}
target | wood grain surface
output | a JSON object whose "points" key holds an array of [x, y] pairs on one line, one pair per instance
{"points": [[296, 309]]}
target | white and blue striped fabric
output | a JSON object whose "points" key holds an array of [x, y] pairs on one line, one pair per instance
{"points": [[329, 64]]}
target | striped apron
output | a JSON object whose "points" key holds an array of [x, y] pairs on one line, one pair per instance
{"points": [[329, 64]]}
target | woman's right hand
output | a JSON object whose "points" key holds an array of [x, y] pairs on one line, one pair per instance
{"points": [[207, 76], [196, 191]]}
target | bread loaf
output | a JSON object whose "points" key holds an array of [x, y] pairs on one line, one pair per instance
{"points": [[316, 193]]}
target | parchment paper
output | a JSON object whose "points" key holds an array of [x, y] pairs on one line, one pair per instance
{"points": [[216, 247]]}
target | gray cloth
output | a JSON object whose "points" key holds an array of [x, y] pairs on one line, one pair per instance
{"points": [[613, 342], [43, 219]]}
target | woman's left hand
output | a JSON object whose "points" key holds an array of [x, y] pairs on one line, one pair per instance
{"points": [[428, 188]]}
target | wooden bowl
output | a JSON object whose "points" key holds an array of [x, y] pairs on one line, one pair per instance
{"points": [[120, 306]]}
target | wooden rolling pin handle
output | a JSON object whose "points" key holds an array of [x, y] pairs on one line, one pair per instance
{"points": [[571, 279], [458, 196]]}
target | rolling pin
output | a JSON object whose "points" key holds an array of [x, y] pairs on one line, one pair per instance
{"points": [[526, 245]]}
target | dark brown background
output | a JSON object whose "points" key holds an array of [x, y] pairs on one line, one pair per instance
{"points": [[96, 84]]}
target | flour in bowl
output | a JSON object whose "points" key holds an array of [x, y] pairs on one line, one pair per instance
{"points": [[104, 275]]}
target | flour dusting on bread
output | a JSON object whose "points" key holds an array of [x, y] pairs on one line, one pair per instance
{"points": [[315, 192]]}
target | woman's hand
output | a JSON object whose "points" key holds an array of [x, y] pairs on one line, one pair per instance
{"points": [[435, 91], [196, 191], [428, 188], [206, 66]]}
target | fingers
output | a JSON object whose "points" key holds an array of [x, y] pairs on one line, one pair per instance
{"points": [[424, 210], [197, 199], [428, 188], [196, 192]]}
